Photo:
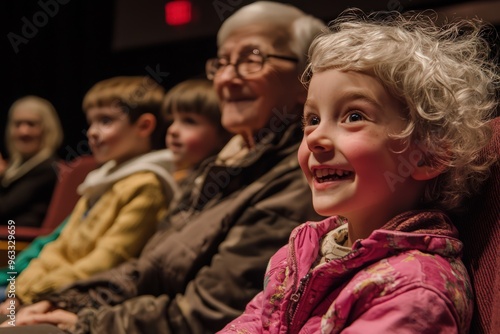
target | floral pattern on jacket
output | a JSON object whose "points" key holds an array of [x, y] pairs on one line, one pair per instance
{"points": [[394, 281]]}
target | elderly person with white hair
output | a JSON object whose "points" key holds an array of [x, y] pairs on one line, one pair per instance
{"points": [[28, 178], [206, 261]]}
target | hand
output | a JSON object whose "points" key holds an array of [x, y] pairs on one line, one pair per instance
{"points": [[10, 305], [63, 319], [25, 315], [41, 307]]}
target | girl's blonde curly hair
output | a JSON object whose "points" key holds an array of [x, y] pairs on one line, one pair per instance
{"points": [[445, 76]]}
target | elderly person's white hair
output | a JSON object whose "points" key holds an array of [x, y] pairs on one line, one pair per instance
{"points": [[52, 136], [52, 132], [300, 28]]}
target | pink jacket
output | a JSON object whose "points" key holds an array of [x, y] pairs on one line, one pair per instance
{"points": [[404, 278]]}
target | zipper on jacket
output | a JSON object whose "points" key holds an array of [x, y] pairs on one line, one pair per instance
{"points": [[294, 268], [295, 298]]}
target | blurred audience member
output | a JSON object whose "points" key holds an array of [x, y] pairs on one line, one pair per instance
{"points": [[28, 179], [196, 131]]}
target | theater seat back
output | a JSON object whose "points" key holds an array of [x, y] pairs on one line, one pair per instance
{"points": [[479, 229]]}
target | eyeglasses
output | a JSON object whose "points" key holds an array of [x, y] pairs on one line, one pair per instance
{"points": [[246, 64]]}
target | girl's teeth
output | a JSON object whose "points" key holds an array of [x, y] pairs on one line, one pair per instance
{"points": [[330, 174]]}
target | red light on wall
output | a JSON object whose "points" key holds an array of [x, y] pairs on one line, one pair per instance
{"points": [[178, 12]]}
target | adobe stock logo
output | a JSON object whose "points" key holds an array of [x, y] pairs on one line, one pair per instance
{"points": [[29, 29], [223, 6]]}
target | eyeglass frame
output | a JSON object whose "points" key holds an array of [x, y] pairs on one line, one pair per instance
{"points": [[210, 63]]}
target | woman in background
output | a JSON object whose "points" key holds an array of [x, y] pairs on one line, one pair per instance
{"points": [[27, 180]]}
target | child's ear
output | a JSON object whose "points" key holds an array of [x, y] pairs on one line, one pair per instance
{"points": [[145, 124], [424, 170]]}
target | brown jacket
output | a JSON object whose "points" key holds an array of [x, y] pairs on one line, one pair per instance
{"points": [[207, 260]]}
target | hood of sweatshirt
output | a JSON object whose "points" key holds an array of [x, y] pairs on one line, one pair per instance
{"points": [[159, 162]]}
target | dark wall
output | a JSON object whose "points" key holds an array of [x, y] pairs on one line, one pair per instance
{"points": [[59, 52]]}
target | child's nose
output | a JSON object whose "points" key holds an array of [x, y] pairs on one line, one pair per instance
{"points": [[319, 140], [173, 129], [91, 131]]}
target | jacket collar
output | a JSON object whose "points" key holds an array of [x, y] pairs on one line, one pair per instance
{"points": [[230, 171], [100, 180], [427, 231], [237, 154]]}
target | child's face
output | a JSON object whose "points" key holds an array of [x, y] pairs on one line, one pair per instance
{"points": [[192, 138], [346, 154], [111, 135]]}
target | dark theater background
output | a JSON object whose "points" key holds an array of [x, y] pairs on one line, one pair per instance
{"points": [[58, 49]]}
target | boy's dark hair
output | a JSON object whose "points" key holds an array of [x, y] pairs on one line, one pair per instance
{"points": [[135, 95]]}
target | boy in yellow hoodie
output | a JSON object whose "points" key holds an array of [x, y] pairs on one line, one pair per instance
{"points": [[122, 201]]}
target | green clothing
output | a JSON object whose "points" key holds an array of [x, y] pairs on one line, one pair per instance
{"points": [[24, 258]]}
